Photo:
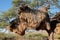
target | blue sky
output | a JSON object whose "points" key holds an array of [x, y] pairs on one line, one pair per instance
{"points": [[54, 9], [5, 5]]}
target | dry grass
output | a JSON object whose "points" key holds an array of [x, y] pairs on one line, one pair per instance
{"points": [[29, 36], [38, 36]]}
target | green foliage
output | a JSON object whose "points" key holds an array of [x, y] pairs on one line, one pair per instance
{"points": [[10, 13], [35, 3], [16, 3], [6, 16], [2, 24]]}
